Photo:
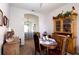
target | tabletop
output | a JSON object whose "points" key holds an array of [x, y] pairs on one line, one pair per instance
{"points": [[50, 43]]}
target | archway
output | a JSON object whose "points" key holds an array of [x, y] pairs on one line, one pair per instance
{"points": [[31, 24]]}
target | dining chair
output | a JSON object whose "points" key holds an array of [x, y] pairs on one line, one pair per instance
{"points": [[44, 50], [61, 45], [36, 42], [49, 36], [38, 47]]}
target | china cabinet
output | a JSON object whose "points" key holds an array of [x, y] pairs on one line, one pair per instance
{"points": [[66, 24]]}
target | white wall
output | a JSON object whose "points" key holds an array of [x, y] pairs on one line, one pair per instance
{"points": [[65, 8], [17, 21], [5, 8]]}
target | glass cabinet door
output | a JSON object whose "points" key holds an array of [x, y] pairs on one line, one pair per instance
{"points": [[57, 25], [67, 25]]}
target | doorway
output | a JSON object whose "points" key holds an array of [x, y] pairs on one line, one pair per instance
{"points": [[31, 24]]}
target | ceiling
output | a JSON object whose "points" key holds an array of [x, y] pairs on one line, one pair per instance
{"points": [[38, 7]]}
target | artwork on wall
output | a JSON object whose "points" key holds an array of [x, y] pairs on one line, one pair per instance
{"points": [[1, 17], [5, 21]]}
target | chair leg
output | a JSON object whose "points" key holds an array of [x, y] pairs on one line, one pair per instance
{"points": [[37, 52]]}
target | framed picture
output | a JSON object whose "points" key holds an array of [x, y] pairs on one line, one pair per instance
{"points": [[1, 17], [5, 21]]}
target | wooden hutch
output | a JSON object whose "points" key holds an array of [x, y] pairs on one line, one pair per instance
{"points": [[66, 24]]}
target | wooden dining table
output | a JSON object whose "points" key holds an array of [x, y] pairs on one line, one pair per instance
{"points": [[49, 44]]}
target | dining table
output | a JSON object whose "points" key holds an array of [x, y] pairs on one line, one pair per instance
{"points": [[48, 43]]}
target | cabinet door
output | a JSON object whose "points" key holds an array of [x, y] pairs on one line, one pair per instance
{"points": [[67, 25], [70, 46], [57, 25]]}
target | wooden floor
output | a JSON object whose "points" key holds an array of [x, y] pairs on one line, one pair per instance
{"points": [[28, 48]]}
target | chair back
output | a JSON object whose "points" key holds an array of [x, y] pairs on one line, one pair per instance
{"points": [[36, 42], [62, 43], [64, 47]]}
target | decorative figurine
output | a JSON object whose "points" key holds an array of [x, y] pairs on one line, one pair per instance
{"points": [[73, 10]]}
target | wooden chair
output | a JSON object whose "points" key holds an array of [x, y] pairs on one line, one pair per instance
{"points": [[38, 47], [44, 50], [36, 42], [61, 47]]}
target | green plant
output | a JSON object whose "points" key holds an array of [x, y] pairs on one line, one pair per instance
{"points": [[59, 15], [68, 13]]}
